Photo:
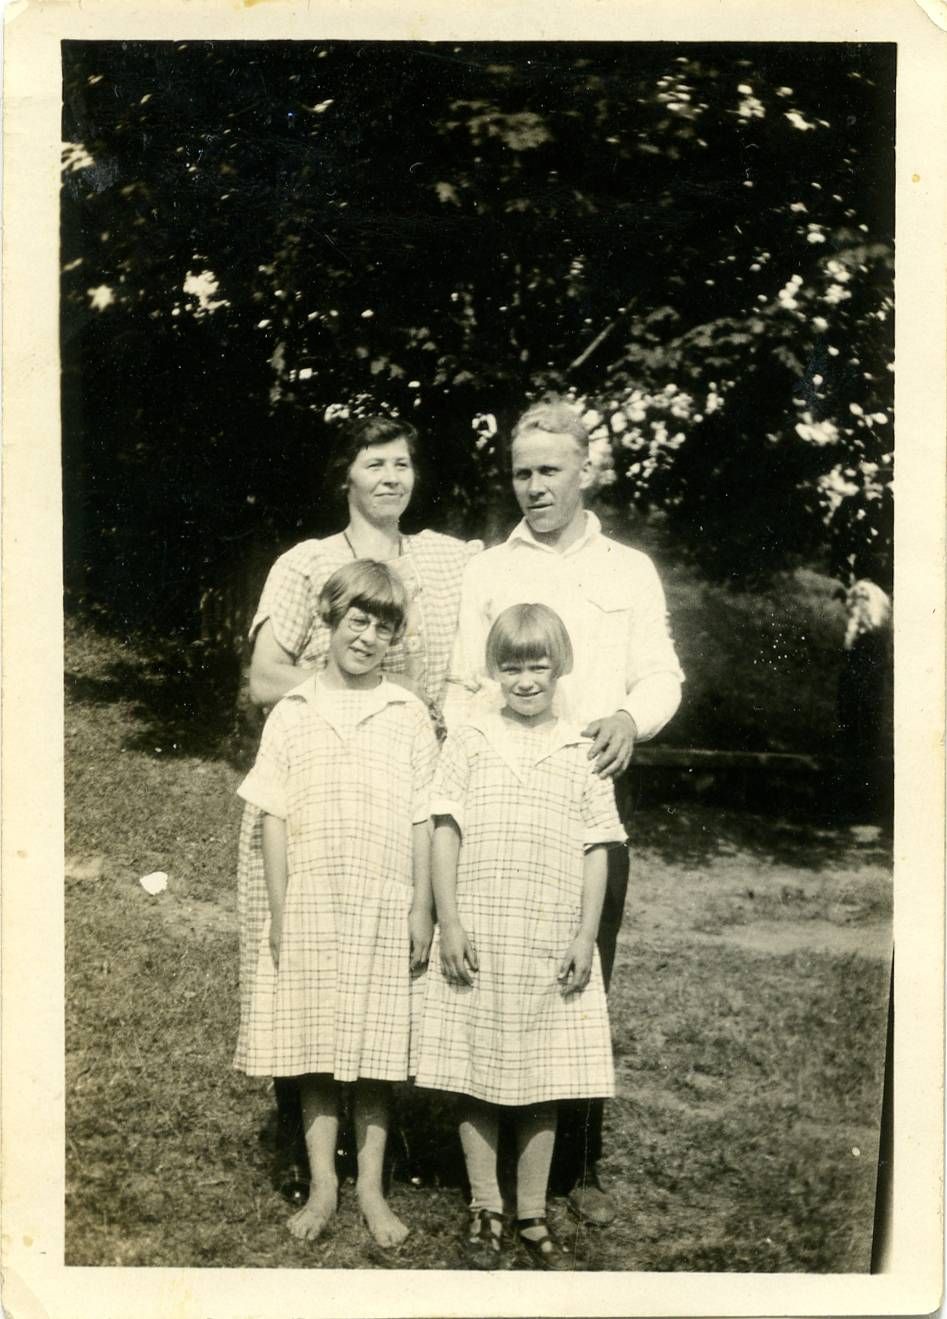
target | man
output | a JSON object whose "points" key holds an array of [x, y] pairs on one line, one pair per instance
{"points": [[624, 687]]}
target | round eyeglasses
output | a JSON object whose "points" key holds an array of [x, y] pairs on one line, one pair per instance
{"points": [[357, 622]]}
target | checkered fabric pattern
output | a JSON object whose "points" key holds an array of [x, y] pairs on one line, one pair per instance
{"points": [[350, 772], [528, 806], [289, 601], [432, 566]]}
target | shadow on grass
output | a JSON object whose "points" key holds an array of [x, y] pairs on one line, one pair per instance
{"points": [[695, 834], [185, 709]]}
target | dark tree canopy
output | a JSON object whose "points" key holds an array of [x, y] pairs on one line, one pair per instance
{"points": [[697, 241]]}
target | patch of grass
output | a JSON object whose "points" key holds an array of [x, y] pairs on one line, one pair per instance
{"points": [[746, 1080], [745, 1093], [775, 894]]}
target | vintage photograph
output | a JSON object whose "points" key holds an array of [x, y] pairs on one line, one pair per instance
{"points": [[478, 567]]}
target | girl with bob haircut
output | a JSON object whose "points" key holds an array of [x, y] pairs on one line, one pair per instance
{"points": [[515, 1015], [529, 632], [342, 781]]}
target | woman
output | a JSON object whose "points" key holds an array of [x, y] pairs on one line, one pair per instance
{"points": [[374, 467]]}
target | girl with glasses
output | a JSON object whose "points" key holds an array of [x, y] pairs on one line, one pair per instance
{"points": [[342, 782]]}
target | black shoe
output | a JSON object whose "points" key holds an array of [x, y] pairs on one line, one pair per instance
{"points": [[590, 1202], [545, 1252], [483, 1247]]}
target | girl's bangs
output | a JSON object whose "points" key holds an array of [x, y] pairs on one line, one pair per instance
{"points": [[381, 605], [527, 633], [527, 647]]}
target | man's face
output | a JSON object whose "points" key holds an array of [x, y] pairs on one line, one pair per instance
{"points": [[550, 471]]}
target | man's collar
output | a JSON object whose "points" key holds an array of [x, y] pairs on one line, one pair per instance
{"points": [[523, 532]]}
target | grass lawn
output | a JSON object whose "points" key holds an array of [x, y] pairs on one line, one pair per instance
{"points": [[748, 1012]]}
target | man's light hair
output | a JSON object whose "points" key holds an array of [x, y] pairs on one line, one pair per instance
{"points": [[555, 415]]}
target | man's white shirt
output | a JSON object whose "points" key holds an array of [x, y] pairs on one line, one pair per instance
{"points": [[611, 601]]}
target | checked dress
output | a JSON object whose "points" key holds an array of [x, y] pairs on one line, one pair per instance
{"points": [[431, 566], [527, 806], [350, 772]]}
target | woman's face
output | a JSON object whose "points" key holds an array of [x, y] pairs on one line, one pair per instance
{"points": [[381, 480]]}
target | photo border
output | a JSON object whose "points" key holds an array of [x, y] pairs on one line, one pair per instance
{"points": [[33, 1132]]}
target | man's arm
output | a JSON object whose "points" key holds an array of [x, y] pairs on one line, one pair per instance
{"points": [[653, 675], [653, 679], [652, 702]]}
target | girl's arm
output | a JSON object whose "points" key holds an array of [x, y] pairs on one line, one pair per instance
{"points": [[421, 916], [458, 957], [575, 968], [275, 871]]}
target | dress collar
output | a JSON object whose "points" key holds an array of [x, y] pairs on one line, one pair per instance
{"points": [[501, 734], [313, 691], [522, 532]]}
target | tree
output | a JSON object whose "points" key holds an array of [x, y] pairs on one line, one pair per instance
{"points": [[695, 240]]}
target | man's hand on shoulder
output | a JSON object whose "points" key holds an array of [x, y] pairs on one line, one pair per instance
{"points": [[613, 743]]}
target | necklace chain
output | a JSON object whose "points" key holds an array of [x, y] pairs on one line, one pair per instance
{"points": [[345, 536]]}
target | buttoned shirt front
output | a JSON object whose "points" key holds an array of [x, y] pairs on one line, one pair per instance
{"points": [[610, 599]]}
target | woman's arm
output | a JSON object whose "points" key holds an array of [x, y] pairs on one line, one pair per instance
{"points": [[575, 968], [421, 917], [273, 671], [275, 872], [458, 957]]}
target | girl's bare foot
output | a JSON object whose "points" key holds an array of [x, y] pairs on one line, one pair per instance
{"points": [[385, 1226], [311, 1220]]}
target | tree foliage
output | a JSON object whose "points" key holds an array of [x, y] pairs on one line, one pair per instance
{"points": [[696, 241]]}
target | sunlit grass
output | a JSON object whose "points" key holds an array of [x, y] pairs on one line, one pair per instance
{"points": [[744, 1136]]}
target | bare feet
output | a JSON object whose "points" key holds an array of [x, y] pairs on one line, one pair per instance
{"points": [[311, 1220], [385, 1226]]}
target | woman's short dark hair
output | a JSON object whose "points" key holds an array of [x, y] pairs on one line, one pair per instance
{"points": [[364, 584], [529, 632], [361, 433]]}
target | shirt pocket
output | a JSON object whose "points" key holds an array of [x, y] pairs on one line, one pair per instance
{"points": [[610, 619]]}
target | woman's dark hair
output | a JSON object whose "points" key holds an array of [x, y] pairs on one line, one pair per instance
{"points": [[360, 433]]}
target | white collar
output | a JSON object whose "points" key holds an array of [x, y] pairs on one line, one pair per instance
{"points": [[498, 731], [314, 691], [523, 532]]}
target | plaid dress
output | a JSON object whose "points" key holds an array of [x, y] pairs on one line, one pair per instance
{"points": [[528, 805], [350, 772], [432, 566]]}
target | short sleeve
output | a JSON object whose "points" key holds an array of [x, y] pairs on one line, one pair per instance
{"points": [[266, 786], [451, 780], [288, 602], [423, 761], [600, 822]]}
